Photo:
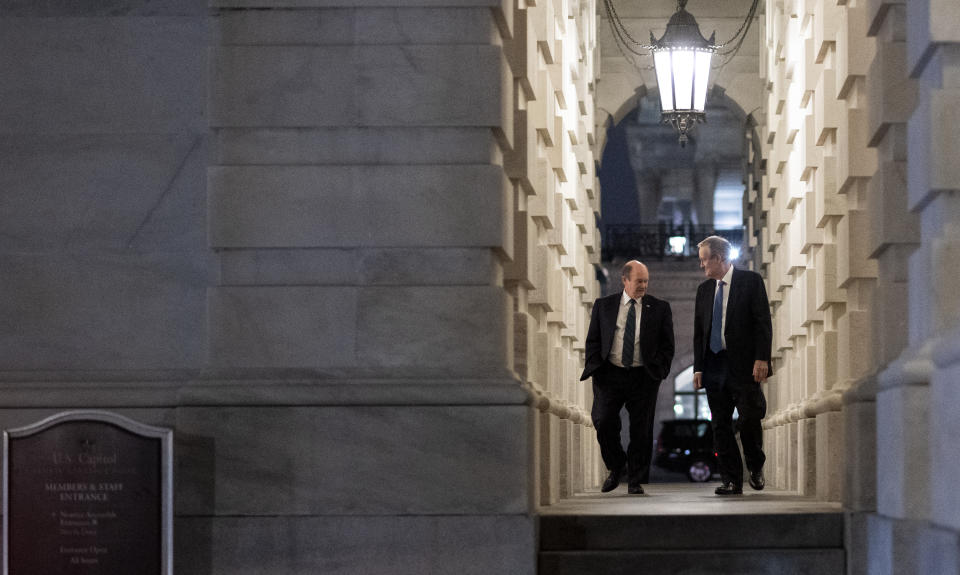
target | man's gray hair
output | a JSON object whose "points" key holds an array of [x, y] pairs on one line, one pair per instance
{"points": [[718, 247]]}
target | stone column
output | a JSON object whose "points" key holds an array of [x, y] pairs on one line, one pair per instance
{"points": [[821, 275], [894, 232], [915, 528], [102, 157], [103, 250], [704, 185], [361, 216], [552, 277]]}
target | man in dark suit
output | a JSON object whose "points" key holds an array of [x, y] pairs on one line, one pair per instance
{"points": [[628, 351], [732, 336]]}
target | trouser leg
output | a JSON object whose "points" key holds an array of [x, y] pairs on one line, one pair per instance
{"points": [[721, 407], [641, 405], [607, 402], [751, 405]]}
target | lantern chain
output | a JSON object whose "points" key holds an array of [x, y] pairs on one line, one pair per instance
{"points": [[744, 28], [729, 55], [624, 41], [620, 30]]}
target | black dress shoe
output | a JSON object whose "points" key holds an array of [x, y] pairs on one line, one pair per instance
{"points": [[728, 489], [613, 480], [635, 489], [756, 480]]}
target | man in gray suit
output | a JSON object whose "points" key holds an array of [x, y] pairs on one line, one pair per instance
{"points": [[732, 337]]}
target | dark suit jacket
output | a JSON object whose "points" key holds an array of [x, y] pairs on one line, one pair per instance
{"points": [[749, 331], [656, 335]]}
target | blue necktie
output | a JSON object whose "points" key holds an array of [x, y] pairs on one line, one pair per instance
{"points": [[716, 341], [629, 332]]}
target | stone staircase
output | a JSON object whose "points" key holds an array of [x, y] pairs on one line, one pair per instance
{"points": [[741, 544]]}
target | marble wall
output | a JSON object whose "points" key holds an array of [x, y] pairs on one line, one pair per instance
{"points": [[916, 507], [344, 249], [821, 276], [556, 247], [861, 214], [103, 142]]}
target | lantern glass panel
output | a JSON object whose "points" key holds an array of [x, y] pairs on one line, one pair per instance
{"points": [[683, 67], [661, 61], [703, 77]]}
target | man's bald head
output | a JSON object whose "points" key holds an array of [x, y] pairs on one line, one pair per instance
{"points": [[635, 278]]}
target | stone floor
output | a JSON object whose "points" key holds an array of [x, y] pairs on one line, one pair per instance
{"points": [[687, 499]]}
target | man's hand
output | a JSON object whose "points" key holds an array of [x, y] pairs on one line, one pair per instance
{"points": [[697, 376], [759, 372]]}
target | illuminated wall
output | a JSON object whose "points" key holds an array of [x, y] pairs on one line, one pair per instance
{"points": [[859, 207]]}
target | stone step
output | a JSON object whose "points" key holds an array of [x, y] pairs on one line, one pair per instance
{"points": [[726, 531], [694, 562], [747, 544]]}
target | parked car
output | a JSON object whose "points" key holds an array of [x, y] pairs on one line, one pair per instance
{"points": [[686, 445]]}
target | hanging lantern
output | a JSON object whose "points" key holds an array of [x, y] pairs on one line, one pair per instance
{"points": [[682, 62]]}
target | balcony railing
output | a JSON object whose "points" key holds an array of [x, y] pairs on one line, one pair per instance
{"points": [[659, 241]]}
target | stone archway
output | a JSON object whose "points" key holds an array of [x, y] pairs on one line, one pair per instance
{"points": [[622, 86], [660, 176]]}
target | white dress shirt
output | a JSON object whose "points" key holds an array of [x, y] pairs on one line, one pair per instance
{"points": [[617, 347], [727, 279]]}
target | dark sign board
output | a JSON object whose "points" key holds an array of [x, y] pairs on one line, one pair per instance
{"points": [[87, 493]]}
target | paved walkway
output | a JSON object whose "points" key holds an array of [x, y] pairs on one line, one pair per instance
{"points": [[687, 499]]}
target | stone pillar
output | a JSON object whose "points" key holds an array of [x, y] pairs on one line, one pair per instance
{"points": [[332, 245], [103, 140], [556, 241], [860, 470], [807, 457], [820, 272], [702, 188], [360, 216], [918, 387], [893, 236], [939, 542]]}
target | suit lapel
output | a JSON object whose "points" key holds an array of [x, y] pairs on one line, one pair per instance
{"points": [[736, 288], [644, 313], [707, 307], [613, 308]]}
